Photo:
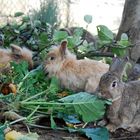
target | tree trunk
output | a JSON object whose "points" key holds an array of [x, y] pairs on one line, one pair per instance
{"points": [[130, 25]]}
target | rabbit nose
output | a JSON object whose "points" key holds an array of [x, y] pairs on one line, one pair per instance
{"points": [[104, 95], [46, 71]]}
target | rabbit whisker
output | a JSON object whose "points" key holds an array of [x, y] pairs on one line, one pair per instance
{"points": [[116, 99]]}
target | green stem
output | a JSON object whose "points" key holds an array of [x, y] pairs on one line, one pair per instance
{"points": [[18, 120], [21, 83], [26, 76], [33, 112], [45, 127], [46, 103], [32, 97]]}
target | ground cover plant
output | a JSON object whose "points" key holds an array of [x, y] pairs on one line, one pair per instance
{"points": [[35, 96]]}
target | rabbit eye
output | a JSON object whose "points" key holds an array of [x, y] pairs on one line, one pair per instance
{"points": [[114, 84], [17, 56], [52, 58]]}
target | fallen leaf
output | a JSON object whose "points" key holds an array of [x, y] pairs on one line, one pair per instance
{"points": [[12, 135], [62, 94], [8, 88]]}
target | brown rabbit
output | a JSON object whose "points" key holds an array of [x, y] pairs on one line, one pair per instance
{"points": [[125, 109], [14, 54], [77, 75]]}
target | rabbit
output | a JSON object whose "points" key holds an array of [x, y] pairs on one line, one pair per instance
{"points": [[125, 109], [135, 73], [16, 54], [73, 74], [85, 36]]}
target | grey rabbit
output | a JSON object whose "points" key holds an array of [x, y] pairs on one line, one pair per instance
{"points": [[125, 109]]}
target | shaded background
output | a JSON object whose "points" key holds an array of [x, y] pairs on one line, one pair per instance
{"points": [[66, 13]]}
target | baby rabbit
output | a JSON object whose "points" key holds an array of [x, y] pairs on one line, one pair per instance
{"points": [[77, 75], [125, 109], [16, 54]]}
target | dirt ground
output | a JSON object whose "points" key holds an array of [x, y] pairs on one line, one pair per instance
{"points": [[48, 134], [63, 135]]}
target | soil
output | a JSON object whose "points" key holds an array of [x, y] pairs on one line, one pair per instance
{"points": [[49, 134]]}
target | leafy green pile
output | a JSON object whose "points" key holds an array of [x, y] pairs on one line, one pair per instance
{"points": [[37, 95]]}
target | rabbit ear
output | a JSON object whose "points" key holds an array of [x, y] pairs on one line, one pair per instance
{"points": [[118, 66], [16, 50], [63, 48]]}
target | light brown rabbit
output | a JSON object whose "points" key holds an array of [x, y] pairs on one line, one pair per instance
{"points": [[77, 75], [14, 54], [125, 109]]}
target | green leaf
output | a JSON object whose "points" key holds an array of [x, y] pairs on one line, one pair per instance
{"points": [[53, 124], [73, 41], [73, 119], [96, 133], [124, 36], [86, 105], [88, 19], [124, 42], [17, 31], [25, 18], [37, 23], [60, 35], [54, 85], [78, 31], [20, 70], [18, 14], [43, 38], [23, 27], [104, 33], [119, 51]]}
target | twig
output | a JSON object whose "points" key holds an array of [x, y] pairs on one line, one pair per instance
{"points": [[124, 138], [45, 127], [18, 120], [93, 54], [84, 125]]}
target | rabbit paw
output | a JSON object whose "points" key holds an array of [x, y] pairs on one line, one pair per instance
{"points": [[111, 127], [132, 129], [102, 122]]}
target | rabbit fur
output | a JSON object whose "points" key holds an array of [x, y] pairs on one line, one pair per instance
{"points": [[16, 54], [73, 74], [125, 109]]}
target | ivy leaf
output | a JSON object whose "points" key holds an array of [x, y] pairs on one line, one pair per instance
{"points": [[124, 42], [23, 27], [25, 18], [124, 36], [43, 38], [119, 51], [86, 105], [60, 35], [37, 23], [96, 133], [78, 31], [88, 19], [104, 33], [18, 14], [73, 41]]}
